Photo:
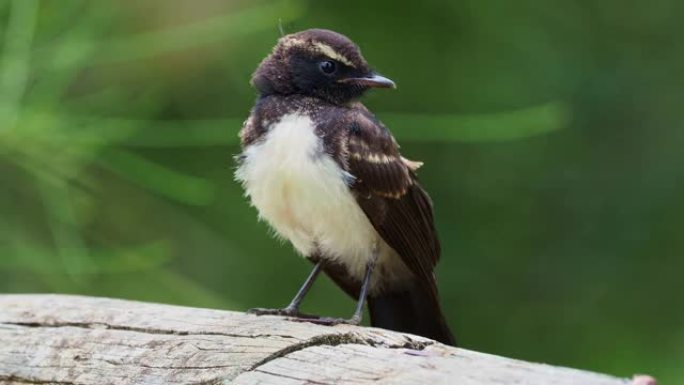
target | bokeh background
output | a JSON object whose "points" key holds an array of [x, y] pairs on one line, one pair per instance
{"points": [[551, 133]]}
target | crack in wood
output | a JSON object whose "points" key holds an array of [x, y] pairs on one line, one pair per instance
{"points": [[308, 380], [22, 380], [337, 339], [104, 325]]}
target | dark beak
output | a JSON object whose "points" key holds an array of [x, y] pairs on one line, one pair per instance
{"points": [[372, 81]]}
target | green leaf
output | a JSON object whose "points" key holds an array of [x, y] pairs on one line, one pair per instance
{"points": [[189, 133], [14, 66], [501, 126], [214, 30], [36, 259], [157, 178], [71, 247]]}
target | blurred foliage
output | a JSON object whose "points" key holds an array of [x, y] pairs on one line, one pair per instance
{"points": [[551, 132]]}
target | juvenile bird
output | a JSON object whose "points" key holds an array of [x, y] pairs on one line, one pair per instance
{"points": [[326, 175]]}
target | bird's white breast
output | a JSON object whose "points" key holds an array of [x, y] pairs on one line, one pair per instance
{"points": [[301, 192]]}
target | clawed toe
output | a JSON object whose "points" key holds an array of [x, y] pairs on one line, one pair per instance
{"points": [[329, 321], [288, 312], [293, 314]]}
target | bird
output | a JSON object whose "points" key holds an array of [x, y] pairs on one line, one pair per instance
{"points": [[328, 177]]}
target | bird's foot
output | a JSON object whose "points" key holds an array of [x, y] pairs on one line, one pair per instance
{"points": [[286, 312], [293, 314], [329, 321]]}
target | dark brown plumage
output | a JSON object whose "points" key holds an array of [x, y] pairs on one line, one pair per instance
{"points": [[294, 80]]}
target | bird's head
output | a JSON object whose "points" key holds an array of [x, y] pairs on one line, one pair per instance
{"points": [[318, 63]]}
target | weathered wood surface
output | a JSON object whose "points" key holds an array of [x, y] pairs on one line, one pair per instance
{"points": [[57, 339]]}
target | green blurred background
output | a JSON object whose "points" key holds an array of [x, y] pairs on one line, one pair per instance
{"points": [[551, 132]]}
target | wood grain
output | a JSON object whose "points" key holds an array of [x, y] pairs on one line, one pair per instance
{"points": [[59, 339]]}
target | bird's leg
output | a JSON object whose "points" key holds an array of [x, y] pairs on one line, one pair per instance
{"points": [[292, 309], [358, 313]]}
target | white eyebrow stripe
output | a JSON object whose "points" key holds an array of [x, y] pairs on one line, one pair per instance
{"points": [[320, 47], [331, 53]]}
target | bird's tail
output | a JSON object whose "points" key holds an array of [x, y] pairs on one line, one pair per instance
{"points": [[415, 310]]}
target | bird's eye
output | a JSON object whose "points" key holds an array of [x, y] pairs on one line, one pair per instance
{"points": [[327, 66]]}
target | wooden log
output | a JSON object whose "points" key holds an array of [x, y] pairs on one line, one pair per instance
{"points": [[68, 340]]}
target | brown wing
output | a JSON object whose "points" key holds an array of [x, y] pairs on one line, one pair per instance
{"points": [[387, 191]]}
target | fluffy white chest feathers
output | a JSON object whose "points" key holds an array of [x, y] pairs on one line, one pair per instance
{"points": [[301, 192]]}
